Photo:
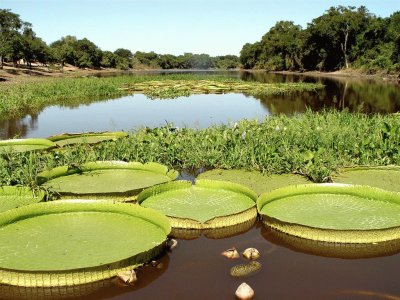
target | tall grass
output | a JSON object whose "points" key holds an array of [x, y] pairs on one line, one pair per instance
{"points": [[314, 144]]}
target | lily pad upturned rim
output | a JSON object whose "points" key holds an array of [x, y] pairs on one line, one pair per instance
{"points": [[81, 275], [105, 165], [108, 135], [44, 144], [20, 196], [332, 249], [215, 222], [327, 234]]}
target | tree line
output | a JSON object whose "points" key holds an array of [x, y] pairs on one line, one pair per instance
{"points": [[19, 41], [341, 38]]}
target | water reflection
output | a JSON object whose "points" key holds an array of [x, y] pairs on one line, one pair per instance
{"points": [[199, 111], [326, 249], [355, 95]]}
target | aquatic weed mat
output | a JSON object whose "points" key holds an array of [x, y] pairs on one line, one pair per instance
{"points": [[85, 137], [333, 212], [16, 196], [64, 243], [207, 204], [24, 145], [105, 178], [384, 177]]}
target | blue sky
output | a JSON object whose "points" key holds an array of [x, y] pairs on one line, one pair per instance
{"points": [[215, 27]]}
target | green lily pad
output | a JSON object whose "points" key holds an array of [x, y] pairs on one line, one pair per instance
{"points": [[213, 233], [329, 249], [384, 177], [13, 197], [24, 145], [110, 178], [86, 137], [255, 180], [208, 204], [73, 242], [333, 212]]}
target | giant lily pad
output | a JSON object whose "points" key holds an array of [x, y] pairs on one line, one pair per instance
{"points": [[384, 177], [13, 197], [105, 178], [329, 249], [333, 212], [208, 204], [86, 138], [63, 243], [255, 180], [23, 145]]}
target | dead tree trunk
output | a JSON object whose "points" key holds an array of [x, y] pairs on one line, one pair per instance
{"points": [[344, 45]]}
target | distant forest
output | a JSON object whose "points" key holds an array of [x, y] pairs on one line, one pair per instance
{"points": [[342, 37]]}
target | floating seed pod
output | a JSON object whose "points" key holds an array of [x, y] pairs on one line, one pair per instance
{"points": [[171, 244], [231, 253], [128, 277], [251, 253], [245, 270], [244, 292]]}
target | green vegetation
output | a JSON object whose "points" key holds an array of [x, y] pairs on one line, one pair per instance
{"points": [[333, 212], [256, 181], [87, 137], [167, 89], [387, 178], [208, 204], [105, 178], [341, 38], [17, 99], [313, 144], [40, 236], [19, 41], [15, 196], [23, 145]]}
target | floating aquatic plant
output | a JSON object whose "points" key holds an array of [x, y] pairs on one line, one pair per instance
{"points": [[24, 145], [86, 137], [333, 212], [15, 196], [105, 178], [63, 243], [255, 180], [208, 204], [384, 177]]}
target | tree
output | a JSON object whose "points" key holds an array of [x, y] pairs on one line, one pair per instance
{"points": [[282, 47], [331, 37], [249, 55], [226, 62], [10, 40], [109, 60], [123, 58]]}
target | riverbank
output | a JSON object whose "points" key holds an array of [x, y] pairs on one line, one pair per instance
{"points": [[313, 144], [351, 73]]}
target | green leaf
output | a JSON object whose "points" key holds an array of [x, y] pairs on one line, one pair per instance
{"points": [[86, 138], [384, 177], [13, 197], [254, 180], [105, 178], [333, 212], [74, 242], [23, 145], [208, 204]]}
